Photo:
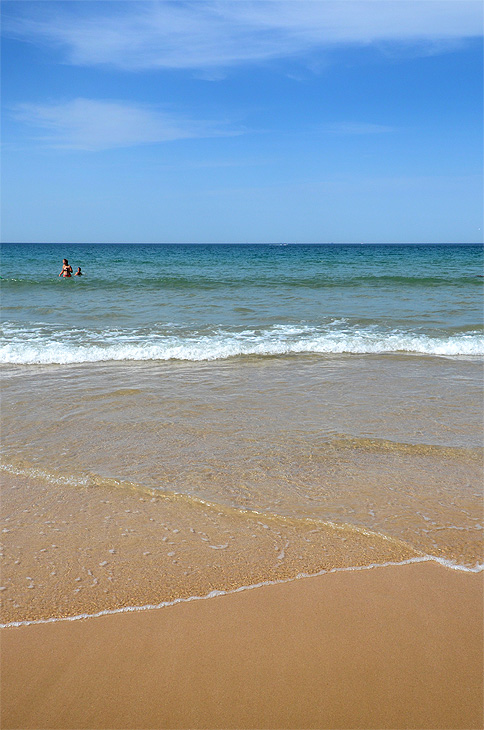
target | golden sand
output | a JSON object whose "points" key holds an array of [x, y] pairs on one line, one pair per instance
{"points": [[394, 647]]}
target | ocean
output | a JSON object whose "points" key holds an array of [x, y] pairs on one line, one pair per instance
{"points": [[293, 408], [208, 303]]}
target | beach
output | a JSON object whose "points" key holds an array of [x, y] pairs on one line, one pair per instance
{"points": [[128, 621], [242, 487], [241, 365], [393, 647]]}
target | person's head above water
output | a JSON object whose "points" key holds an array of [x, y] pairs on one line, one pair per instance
{"points": [[66, 268]]}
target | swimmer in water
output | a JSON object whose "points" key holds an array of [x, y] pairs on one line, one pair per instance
{"points": [[78, 272], [66, 268]]}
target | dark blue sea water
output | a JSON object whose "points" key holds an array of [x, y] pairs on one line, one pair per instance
{"points": [[209, 302]]}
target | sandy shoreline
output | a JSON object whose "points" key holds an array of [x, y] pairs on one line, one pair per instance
{"points": [[73, 551], [393, 647]]}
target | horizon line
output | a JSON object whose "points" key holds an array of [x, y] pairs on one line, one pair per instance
{"points": [[244, 243]]}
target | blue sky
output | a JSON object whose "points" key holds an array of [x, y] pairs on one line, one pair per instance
{"points": [[242, 120]]}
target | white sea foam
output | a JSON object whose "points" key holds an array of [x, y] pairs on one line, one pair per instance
{"points": [[213, 594], [40, 347]]}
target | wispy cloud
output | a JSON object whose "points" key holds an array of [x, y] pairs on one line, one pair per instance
{"points": [[90, 124], [210, 34]]}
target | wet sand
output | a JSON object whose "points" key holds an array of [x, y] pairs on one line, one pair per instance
{"points": [[80, 550], [391, 647]]}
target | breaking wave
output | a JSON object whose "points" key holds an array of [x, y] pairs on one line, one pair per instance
{"points": [[53, 346]]}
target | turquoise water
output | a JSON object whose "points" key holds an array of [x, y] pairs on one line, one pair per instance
{"points": [[211, 302]]}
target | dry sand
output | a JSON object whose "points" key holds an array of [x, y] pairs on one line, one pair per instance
{"points": [[393, 647]]}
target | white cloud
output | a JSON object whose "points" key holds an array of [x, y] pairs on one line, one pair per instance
{"points": [[207, 34], [89, 124]]}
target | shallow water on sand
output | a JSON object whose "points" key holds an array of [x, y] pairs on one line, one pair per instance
{"points": [[363, 442]]}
